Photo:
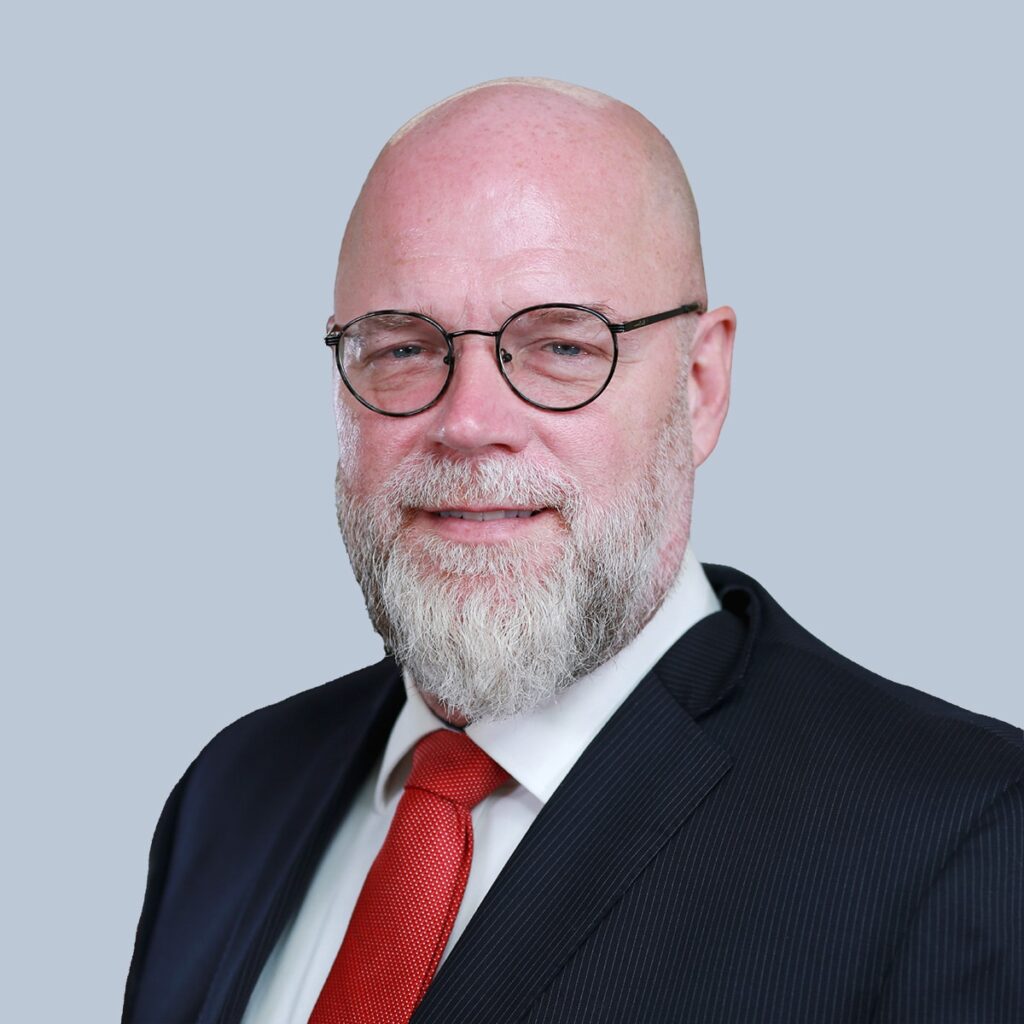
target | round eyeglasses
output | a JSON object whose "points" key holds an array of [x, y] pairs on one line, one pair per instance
{"points": [[556, 356]]}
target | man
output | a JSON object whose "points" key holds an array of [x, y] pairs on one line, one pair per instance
{"points": [[593, 782]]}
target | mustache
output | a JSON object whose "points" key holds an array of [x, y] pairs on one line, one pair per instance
{"points": [[427, 481]]}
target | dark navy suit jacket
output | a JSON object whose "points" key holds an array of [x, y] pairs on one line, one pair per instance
{"points": [[764, 831]]}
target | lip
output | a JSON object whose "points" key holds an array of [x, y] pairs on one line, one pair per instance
{"points": [[502, 522]]}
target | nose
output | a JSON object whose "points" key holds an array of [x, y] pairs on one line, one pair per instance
{"points": [[479, 412]]}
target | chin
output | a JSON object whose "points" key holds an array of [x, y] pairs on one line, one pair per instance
{"points": [[483, 565]]}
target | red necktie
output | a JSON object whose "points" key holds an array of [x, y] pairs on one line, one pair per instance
{"points": [[408, 903]]}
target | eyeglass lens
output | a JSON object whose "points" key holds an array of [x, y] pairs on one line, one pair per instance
{"points": [[557, 357]]}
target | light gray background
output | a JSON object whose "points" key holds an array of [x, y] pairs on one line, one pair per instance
{"points": [[176, 181]]}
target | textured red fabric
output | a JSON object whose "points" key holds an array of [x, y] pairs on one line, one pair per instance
{"points": [[408, 903]]}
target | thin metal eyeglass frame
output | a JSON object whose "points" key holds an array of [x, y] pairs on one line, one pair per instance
{"points": [[333, 340]]}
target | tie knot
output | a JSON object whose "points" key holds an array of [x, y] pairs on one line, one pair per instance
{"points": [[450, 765]]}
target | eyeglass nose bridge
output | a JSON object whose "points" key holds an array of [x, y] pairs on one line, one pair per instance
{"points": [[452, 335], [449, 359]]}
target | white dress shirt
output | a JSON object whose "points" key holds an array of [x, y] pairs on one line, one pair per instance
{"points": [[537, 750]]}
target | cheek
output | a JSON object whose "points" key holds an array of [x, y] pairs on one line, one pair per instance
{"points": [[359, 446], [613, 445], [348, 440], [370, 446], [603, 454]]}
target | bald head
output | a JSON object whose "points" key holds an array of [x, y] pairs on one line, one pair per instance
{"points": [[525, 169]]}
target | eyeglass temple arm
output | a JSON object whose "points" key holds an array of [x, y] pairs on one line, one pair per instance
{"points": [[654, 318]]}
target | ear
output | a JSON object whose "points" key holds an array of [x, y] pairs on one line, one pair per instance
{"points": [[709, 381]]}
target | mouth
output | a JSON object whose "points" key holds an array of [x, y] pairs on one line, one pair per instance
{"points": [[486, 515], [478, 525]]}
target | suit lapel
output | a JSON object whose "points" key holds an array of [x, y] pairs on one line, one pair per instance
{"points": [[634, 787], [368, 711]]}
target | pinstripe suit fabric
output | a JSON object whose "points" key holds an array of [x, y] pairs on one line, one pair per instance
{"points": [[765, 831]]}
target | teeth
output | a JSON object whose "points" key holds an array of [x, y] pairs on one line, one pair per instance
{"points": [[486, 517]]}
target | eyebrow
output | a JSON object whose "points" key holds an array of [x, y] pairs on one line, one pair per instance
{"points": [[429, 309], [599, 307]]}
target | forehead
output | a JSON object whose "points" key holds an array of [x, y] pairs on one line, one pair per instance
{"points": [[548, 211]]}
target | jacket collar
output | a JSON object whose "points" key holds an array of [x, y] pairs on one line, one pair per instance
{"points": [[710, 662]]}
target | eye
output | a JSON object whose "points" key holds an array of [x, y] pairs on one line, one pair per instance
{"points": [[384, 352], [404, 351], [564, 348]]}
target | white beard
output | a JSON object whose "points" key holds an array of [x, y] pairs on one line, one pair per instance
{"points": [[492, 631]]}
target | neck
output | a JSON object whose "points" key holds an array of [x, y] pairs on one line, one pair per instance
{"points": [[450, 715]]}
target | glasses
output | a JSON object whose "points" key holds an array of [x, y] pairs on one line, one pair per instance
{"points": [[556, 356]]}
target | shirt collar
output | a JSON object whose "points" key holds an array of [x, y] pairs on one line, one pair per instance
{"points": [[539, 748]]}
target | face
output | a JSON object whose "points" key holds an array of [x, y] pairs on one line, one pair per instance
{"points": [[505, 550]]}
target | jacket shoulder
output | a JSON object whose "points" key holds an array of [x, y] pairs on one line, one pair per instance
{"points": [[308, 717], [259, 782], [797, 671], [263, 754]]}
